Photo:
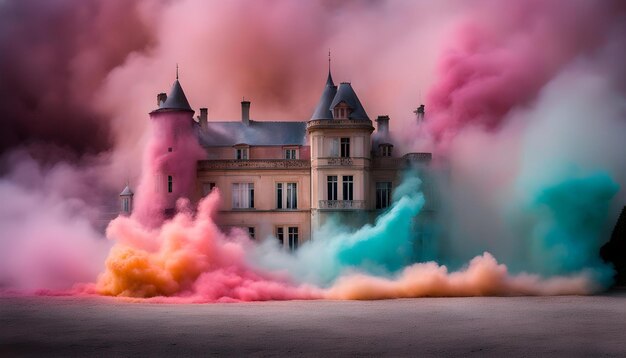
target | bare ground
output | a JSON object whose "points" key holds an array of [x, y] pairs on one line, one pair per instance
{"points": [[567, 326]]}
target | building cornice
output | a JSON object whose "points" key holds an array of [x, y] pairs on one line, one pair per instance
{"points": [[257, 164], [317, 124]]}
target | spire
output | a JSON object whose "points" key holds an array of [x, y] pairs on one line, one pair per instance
{"points": [[329, 80], [176, 71], [322, 111]]}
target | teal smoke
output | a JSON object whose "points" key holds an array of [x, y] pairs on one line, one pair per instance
{"points": [[380, 249], [567, 226], [563, 227]]}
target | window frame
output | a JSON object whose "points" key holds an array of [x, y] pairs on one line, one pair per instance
{"points": [[290, 153], [382, 201], [286, 195], [242, 152], [280, 235], [237, 190], [344, 147], [347, 185], [207, 185], [332, 187], [293, 237]]}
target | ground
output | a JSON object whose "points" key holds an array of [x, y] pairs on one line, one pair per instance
{"points": [[567, 326]]}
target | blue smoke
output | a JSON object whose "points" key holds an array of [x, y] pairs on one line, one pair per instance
{"points": [[336, 249], [567, 226]]}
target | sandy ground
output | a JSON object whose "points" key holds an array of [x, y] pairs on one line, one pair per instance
{"points": [[506, 327]]}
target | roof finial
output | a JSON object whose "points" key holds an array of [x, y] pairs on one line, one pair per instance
{"points": [[176, 70], [328, 60]]}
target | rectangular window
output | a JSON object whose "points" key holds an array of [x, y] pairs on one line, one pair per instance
{"points": [[348, 187], [383, 195], [345, 147], [279, 195], [290, 154], [206, 188], [251, 232], [293, 238], [334, 147], [243, 195], [290, 200], [292, 196], [332, 187], [242, 153], [126, 205], [386, 151], [170, 183], [169, 149], [280, 235]]}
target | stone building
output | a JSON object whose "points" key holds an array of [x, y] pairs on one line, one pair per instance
{"points": [[285, 179]]}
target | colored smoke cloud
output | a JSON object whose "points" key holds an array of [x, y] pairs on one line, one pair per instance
{"points": [[525, 110], [190, 259], [48, 235]]}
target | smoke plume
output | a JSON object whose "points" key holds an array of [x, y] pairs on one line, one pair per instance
{"points": [[525, 113]]}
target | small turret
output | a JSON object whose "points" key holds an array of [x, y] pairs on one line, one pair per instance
{"points": [[126, 201]]}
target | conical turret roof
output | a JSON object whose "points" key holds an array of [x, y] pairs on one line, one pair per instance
{"points": [[322, 111], [126, 191], [346, 94], [176, 99]]}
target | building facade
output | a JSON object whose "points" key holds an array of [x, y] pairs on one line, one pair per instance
{"points": [[283, 180]]}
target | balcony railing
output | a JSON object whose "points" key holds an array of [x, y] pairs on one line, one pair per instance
{"points": [[339, 161], [339, 123], [254, 164], [342, 204]]}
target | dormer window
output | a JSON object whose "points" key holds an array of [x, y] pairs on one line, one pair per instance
{"points": [[385, 150], [242, 152], [341, 111], [291, 153]]}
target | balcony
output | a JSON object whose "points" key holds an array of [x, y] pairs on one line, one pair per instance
{"points": [[342, 204], [339, 161], [339, 124]]}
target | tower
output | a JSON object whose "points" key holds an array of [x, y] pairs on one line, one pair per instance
{"points": [[169, 170], [126, 201], [340, 136]]}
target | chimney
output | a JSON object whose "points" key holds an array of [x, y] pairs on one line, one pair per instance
{"points": [[161, 97], [383, 125], [245, 112], [203, 117], [420, 111]]}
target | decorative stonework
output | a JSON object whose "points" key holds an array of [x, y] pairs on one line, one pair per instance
{"points": [[258, 164], [342, 204], [339, 124], [339, 161]]}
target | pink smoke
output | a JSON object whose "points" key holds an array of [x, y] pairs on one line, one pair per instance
{"points": [[505, 53], [173, 150], [188, 259]]}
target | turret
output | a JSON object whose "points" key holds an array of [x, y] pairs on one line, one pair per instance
{"points": [[174, 151], [126, 201]]}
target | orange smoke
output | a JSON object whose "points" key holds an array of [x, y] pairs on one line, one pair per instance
{"points": [[190, 260], [483, 277]]}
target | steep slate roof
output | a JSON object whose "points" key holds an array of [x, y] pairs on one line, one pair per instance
{"points": [[220, 134], [176, 99], [345, 93], [323, 109], [126, 191]]}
